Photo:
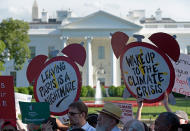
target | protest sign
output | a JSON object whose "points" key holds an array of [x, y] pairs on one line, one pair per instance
{"points": [[182, 72], [23, 98], [34, 112], [127, 112], [58, 80], [147, 71], [7, 102], [58, 84]]}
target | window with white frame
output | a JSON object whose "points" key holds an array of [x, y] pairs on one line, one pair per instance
{"points": [[51, 50], [101, 52]]}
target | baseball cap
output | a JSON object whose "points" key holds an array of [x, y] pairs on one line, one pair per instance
{"points": [[182, 114]]}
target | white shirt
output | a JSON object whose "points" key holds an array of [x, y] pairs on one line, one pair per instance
{"points": [[88, 127], [115, 129]]}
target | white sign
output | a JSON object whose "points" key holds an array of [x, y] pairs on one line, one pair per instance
{"points": [[147, 72], [182, 73], [23, 98], [58, 84], [127, 112]]}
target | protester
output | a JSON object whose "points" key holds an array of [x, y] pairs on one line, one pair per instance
{"points": [[108, 118], [77, 115], [134, 125], [139, 109], [182, 116], [20, 125], [167, 121], [8, 126], [92, 119], [48, 127], [57, 124]]}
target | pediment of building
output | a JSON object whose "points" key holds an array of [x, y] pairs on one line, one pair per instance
{"points": [[101, 20]]}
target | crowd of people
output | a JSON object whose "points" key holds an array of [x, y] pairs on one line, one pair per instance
{"points": [[108, 119]]}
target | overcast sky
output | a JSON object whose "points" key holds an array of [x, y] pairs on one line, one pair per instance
{"points": [[21, 9]]}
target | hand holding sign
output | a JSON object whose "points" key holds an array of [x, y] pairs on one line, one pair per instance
{"points": [[57, 81], [146, 69]]}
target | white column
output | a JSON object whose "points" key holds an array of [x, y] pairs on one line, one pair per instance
{"points": [[89, 77], [64, 41], [113, 69]]}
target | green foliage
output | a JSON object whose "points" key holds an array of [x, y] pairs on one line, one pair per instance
{"points": [[177, 94], [15, 89], [30, 90], [84, 91], [87, 91], [103, 91], [91, 91], [119, 91], [23, 90], [111, 91], [14, 41]]}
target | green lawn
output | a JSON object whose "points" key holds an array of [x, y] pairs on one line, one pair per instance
{"points": [[148, 112]]}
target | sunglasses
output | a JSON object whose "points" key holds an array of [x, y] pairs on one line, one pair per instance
{"points": [[72, 113]]}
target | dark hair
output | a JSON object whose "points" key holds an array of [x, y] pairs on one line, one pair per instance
{"points": [[92, 119], [80, 106], [171, 119], [6, 124]]}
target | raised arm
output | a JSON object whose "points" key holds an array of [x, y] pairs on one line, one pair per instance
{"points": [[165, 102], [140, 106]]}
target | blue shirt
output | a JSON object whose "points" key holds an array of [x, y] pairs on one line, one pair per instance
{"points": [[115, 129], [88, 127]]}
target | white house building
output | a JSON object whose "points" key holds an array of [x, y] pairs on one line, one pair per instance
{"points": [[51, 35]]}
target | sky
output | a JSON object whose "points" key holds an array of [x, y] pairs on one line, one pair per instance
{"points": [[22, 9]]}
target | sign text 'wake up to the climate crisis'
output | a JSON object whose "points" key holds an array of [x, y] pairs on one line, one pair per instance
{"points": [[143, 73]]}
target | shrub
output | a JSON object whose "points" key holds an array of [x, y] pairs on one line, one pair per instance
{"points": [[103, 91], [111, 91], [119, 91], [30, 90], [178, 95], [15, 89], [84, 91], [91, 92], [23, 90]]}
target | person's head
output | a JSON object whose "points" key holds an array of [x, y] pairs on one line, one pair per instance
{"points": [[109, 117], [8, 126], [77, 113], [92, 119], [166, 121], [134, 125], [183, 117]]}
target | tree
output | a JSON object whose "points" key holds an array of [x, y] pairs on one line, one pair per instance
{"points": [[14, 41]]}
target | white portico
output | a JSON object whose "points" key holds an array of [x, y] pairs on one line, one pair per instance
{"points": [[94, 30]]}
